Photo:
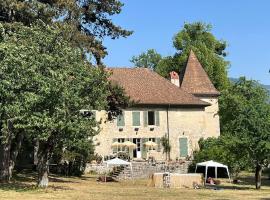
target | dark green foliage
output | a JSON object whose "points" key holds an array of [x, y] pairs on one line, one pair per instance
{"points": [[89, 20], [149, 59], [198, 37], [223, 150], [245, 122], [166, 146], [210, 51], [44, 84]]}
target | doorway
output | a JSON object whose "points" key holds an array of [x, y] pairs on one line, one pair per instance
{"points": [[137, 151]]}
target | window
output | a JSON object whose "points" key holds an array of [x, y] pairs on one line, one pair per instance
{"points": [[183, 143], [151, 118], [121, 120], [121, 148], [136, 121], [153, 140]]}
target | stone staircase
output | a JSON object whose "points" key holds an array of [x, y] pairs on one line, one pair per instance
{"points": [[145, 169]]}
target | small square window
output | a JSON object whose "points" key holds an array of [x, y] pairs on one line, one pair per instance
{"points": [[151, 118]]}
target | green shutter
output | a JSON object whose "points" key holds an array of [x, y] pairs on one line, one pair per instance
{"points": [[144, 148], [136, 119], [158, 144], [131, 149], [157, 118], [94, 114], [183, 147], [115, 148], [145, 118], [121, 120]]}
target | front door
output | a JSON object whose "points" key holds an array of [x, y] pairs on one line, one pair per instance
{"points": [[137, 151]]}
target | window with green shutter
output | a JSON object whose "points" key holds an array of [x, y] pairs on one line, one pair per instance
{"points": [[145, 118], [157, 118], [158, 144], [114, 148], [151, 118], [183, 145], [121, 120], [136, 120], [144, 148]]}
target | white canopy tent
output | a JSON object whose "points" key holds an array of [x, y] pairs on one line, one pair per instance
{"points": [[216, 165], [119, 162]]}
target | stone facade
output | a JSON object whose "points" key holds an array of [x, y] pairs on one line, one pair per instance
{"points": [[189, 123], [184, 110]]}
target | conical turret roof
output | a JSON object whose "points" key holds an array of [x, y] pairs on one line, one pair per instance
{"points": [[195, 79]]}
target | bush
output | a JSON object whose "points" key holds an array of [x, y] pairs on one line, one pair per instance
{"points": [[221, 150]]}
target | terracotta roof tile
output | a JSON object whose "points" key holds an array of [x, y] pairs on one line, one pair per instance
{"points": [[148, 88], [195, 80]]}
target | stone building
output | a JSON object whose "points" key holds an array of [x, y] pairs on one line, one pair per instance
{"points": [[183, 109]]}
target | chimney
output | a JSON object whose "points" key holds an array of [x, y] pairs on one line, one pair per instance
{"points": [[175, 78]]}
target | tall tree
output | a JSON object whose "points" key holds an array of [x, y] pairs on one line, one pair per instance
{"points": [[148, 59], [245, 117], [209, 50], [89, 20], [44, 83]]}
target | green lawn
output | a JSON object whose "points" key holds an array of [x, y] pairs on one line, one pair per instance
{"points": [[86, 187]]}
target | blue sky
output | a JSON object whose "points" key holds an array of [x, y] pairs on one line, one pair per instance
{"points": [[244, 24]]}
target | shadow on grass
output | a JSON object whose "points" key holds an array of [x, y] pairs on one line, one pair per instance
{"points": [[18, 186], [86, 178], [26, 181], [246, 183]]}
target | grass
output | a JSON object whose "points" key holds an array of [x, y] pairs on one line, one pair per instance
{"points": [[86, 187]]}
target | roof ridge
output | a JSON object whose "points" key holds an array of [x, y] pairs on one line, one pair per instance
{"points": [[175, 86], [149, 88]]}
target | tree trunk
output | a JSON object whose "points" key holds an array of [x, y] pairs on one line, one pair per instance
{"points": [[258, 176], [5, 153], [36, 148], [16, 146], [44, 154], [43, 170], [4, 162]]}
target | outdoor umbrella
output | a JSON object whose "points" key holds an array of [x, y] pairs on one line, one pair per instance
{"points": [[117, 144], [150, 144], [129, 144]]}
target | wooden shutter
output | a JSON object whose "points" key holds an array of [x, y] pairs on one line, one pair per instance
{"points": [[183, 147], [144, 148], [136, 120], [130, 150], [121, 120], [115, 148], [158, 144], [145, 118], [157, 118]]}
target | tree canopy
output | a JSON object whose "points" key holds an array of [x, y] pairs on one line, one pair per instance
{"points": [[209, 50], [245, 119], [44, 84], [89, 20], [148, 59]]}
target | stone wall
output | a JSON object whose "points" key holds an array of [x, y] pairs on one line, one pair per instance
{"points": [[140, 169], [191, 123]]}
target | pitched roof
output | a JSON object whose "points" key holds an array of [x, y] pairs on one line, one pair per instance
{"points": [[195, 80], [146, 87]]}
